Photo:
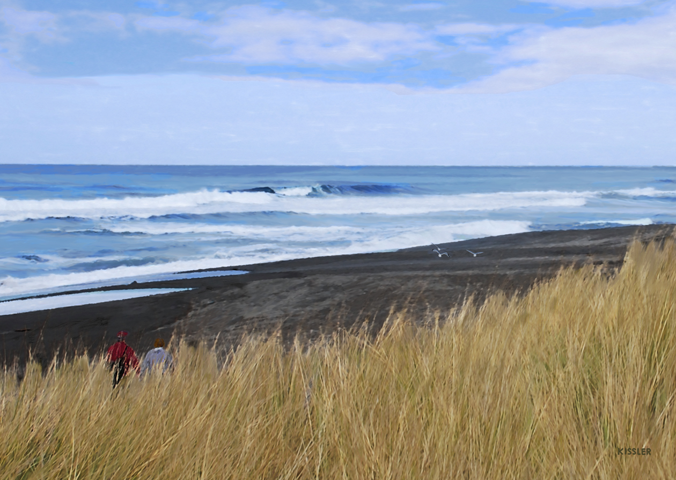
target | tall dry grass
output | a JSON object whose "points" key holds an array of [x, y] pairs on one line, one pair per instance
{"points": [[544, 386]]}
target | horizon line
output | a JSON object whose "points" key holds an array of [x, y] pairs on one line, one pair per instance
{"points": [[318, 165]]}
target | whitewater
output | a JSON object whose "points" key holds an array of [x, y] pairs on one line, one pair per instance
{"points": [[65, 227]]}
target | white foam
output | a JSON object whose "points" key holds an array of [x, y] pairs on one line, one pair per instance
{"points": [[60, 301], [111, 282], [234, 230], [138, 206], [355, 240], [647, 192], [315, 234], [638, 221], [356, 235], [295, 191], [413, 237], [11, 287], [52, 262], [211, 201]]}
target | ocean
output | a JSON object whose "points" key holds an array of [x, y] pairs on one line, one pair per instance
{"points": [[64, 227]]}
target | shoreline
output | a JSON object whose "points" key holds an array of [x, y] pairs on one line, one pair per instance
{"points": [[312, 296]]}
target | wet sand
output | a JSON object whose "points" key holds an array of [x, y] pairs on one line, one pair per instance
{"points": [[313, 296]]}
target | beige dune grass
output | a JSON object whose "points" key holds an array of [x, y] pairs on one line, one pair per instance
{"points": [[547, 385]]}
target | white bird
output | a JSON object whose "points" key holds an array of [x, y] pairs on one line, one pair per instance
{"points": [[475, 254], [439, 251]]}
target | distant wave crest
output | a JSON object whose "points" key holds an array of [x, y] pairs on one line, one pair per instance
{"points": [[360, 189], [213, 202], [316, 200]]}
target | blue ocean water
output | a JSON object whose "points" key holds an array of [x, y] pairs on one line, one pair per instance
{"points": [[69, 225]]}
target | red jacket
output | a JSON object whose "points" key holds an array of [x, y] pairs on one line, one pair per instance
{"points": [[122, 350]]}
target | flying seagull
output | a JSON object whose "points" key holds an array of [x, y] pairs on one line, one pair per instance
{"points": [[439, 251], [475, 254]]}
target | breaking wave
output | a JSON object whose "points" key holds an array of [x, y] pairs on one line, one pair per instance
{"points": [[354, 240], [213, 202]]}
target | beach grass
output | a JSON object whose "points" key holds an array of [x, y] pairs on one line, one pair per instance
{"points": [[548, 385]]}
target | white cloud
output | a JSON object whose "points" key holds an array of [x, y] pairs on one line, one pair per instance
{"points": [[49, 27], [474, 29], [644, 49], [258, 35], [97, 21], [9, 72], [183, 119], [473, 37], [591, 3], [421, 6], [168, 24], [21, 23]]}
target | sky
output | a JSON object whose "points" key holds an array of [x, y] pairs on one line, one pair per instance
{"points": [[314, 82]]}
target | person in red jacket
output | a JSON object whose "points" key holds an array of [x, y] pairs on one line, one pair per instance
{"points": [[120, 357]]}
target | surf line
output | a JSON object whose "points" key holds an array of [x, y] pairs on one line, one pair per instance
{"points": [[25, 305]]}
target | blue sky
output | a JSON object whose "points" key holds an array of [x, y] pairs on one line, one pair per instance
{"points": [[563, 82]]}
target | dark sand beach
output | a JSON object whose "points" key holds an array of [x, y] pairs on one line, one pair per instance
{"points": [[319, 295]]}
